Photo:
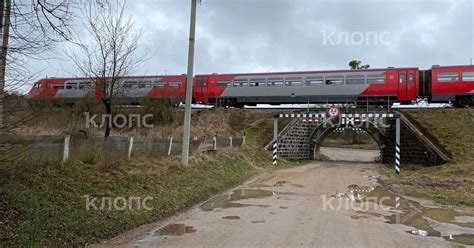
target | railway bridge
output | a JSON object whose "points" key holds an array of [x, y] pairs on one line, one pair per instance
{"points": [[301, 139]]}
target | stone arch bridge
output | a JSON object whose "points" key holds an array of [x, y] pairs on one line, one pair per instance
{"points": [[303, 136]]}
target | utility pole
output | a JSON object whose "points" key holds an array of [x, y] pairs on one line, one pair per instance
{"points": [[189, 87]]}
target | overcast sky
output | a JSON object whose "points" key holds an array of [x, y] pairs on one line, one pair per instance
{"points": [[288, 35]]}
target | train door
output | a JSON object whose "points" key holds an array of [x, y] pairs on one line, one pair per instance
{"points": [[412, 83], [402, 85], [201, 89]]}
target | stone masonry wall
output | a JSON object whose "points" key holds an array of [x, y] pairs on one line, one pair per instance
{"points": [[295, 143], [413, 151]]}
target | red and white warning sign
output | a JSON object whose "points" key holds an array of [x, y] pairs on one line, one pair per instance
{"points": [[333, 112]]}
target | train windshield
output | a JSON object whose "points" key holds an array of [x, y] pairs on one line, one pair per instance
{"points": [[36, 85]]}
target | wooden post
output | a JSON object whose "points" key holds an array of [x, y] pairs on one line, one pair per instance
{"points": [[66, 149], [130, 147], [170, 146], [214, 140]]}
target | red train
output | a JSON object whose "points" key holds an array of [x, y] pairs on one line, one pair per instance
{"points": [[376, 86]]}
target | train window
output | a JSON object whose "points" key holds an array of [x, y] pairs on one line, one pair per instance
{"points": [[84, 85], [71, 86], [334, 80], [411, 78], [257, 82], [314, 81], [448, 77], [376, 79], [277, 82], [293, 81], [356, 79], [36, 85], [175, 84], [468, 76], [145, 84], [402, 78], [224, 83], [59, 87], [241, 83], [129, 84], [159, 84]]}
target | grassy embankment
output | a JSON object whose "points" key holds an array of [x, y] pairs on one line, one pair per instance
{"points": [[452, 183], [44, 205]]}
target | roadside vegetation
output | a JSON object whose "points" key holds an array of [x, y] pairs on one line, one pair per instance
{"points": [[46, 205], [451, 183]]}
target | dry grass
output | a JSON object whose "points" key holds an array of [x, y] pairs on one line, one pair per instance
{"points": [[42, 205], [452, 183], [205, 123]]}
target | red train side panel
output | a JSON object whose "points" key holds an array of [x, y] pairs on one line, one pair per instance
{"points": [[453, 83], [402, 83], [130, 89]]}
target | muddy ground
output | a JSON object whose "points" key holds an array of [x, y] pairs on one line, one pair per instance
{"points": [[322, 204]]}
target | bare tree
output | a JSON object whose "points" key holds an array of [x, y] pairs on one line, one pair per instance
{"points": [[5, 29], [111, 52], [29, 29]]}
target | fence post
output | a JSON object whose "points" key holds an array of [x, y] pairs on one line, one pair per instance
{"points": [[230, 141], [214, 140], [170, 146], [130, 147], [243, 139], [66, 150]]}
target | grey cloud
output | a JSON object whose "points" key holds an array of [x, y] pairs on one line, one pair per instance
{"points": [[274, 35]]}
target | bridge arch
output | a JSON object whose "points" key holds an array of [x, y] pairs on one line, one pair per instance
{"points": [[323, 130]]}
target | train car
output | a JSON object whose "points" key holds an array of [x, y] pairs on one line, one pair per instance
{"points": [[452, 83], [367, 86], [375, 86], [129, 90]]}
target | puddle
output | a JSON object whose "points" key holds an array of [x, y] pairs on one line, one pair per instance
{"points": [[258, 221], [228, 201], [286, 193], [281, 183], [410, 213], [365, 215], [285, 198], [175, 230], [465, 239], [283, 207], [231, 217]]}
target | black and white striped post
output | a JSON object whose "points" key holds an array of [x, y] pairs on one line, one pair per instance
{"points": [[397, 145], [275, 141]]}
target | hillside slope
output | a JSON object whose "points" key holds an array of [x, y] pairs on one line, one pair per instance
{"points": [[452, 183]]}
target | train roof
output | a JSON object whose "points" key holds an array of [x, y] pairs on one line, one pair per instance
{"points": [[127, 77], [450, 66], [308, 72]]}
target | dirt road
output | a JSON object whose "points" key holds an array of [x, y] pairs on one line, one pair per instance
{"points": [[318, 205]]}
